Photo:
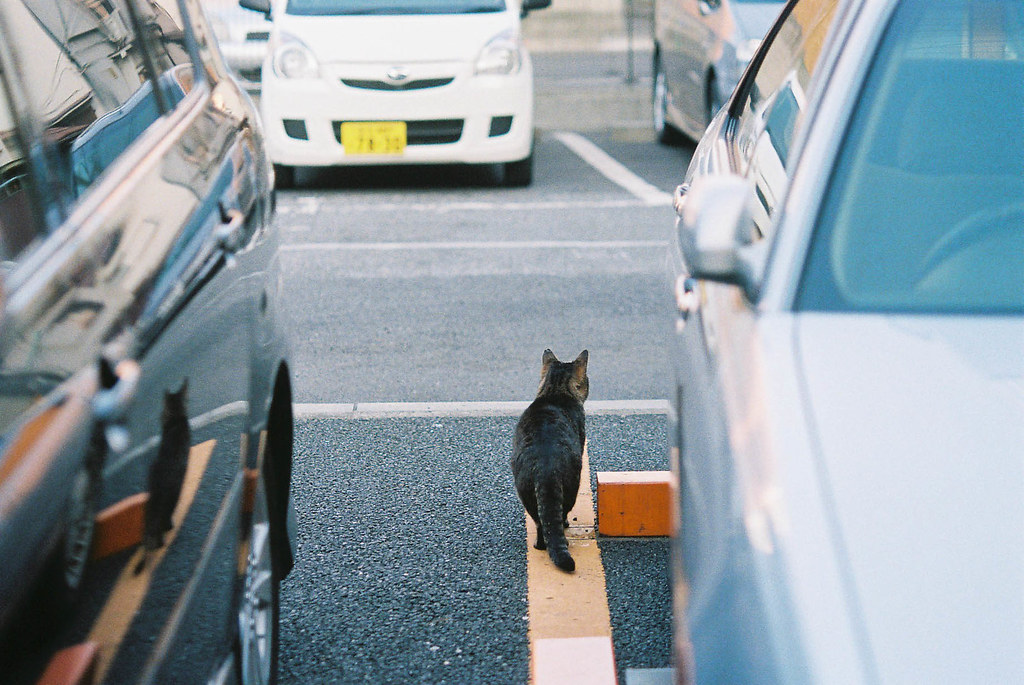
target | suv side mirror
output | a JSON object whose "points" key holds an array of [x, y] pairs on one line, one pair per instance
{"points": [[530, 5], [262, 6], [716, 229]]}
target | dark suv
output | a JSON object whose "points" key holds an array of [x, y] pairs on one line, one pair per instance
{"points": [[145, 403]]}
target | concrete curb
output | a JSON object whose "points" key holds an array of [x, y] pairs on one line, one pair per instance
{"points": [[455, 409]]}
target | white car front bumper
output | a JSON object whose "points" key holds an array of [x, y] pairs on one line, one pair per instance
{"points": [[469, 119]]}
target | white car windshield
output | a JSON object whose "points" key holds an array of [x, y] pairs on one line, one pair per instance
{"points": [[364, 7], [925, 209]]}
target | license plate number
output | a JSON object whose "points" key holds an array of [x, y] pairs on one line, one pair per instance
{"points": [[373, 137]]}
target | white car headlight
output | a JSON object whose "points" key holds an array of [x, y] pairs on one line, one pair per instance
{"points": [[292, 59], [501, 56]]}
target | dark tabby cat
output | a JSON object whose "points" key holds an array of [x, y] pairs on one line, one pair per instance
{"points": [[167, 473], [547, 452]]}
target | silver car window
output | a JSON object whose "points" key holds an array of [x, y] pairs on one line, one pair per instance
{"points": [[774, 99], [925, 211]]}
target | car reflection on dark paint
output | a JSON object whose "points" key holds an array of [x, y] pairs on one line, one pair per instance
{"points": [[847, 428], [145, 405]]}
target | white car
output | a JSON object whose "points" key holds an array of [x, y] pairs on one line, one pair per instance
{"points": [[848, 420], [368, 82]]}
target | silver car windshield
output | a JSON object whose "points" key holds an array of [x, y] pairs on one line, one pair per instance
{"points": [[363, 7], [925, 209]]}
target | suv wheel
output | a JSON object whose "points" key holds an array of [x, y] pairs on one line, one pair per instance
{"points": [[259, 612]]}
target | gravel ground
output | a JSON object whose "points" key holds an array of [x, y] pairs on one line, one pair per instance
{"points": [[412, 564], [636, 569]]}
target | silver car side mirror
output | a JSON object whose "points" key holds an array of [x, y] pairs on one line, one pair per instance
{"points": [[715, 227]]}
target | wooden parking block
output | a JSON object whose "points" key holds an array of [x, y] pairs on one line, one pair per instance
{"points": [[119, 526], [71, 666], [576, 660], [634, 503]]}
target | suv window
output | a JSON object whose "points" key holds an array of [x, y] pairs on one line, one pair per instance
{"points": [[774, 96], [85, 71]]}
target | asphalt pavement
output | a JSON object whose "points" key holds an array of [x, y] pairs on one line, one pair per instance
{"points": [[413, 288]]}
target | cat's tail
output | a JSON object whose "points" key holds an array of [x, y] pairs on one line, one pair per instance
{"points": [[549, 511]]}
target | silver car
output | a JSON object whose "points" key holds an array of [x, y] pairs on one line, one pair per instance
{"points": [[701, 48], [848, 423]]}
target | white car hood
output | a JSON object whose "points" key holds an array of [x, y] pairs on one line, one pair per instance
{"points": [[920, 426], [397, 39]]}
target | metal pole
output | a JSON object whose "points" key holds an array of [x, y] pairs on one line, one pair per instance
{"points": [[630, 16]]}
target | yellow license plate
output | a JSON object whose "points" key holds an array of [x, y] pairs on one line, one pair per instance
{"points": [[373, 137]]}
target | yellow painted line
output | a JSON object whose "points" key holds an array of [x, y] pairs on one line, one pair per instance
{"points": [[130, 589], [567, 605]]}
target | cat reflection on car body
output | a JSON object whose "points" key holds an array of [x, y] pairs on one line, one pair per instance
{"points": [[167, 473], [547, 452]]}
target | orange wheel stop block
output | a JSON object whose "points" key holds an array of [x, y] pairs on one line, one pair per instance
{"points": [[576, 660], [119, 526], [634, 503], [71, 666]]}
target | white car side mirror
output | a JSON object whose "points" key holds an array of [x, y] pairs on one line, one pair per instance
{"points": [[261, 6], [715, 227]]}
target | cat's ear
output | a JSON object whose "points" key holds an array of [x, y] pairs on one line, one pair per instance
{"points": [[581, 361], [545, 363]]}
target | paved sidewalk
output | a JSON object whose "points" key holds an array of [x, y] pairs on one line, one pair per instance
{"points": [[589, 25], [593, 38]]}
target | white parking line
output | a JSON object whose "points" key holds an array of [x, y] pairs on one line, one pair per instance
{"points": [[613, 170], [302, 206], [480, 245], [390, 409]]}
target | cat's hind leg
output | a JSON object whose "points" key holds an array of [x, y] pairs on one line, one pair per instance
{"points": [[528, 496], [541, 543]]}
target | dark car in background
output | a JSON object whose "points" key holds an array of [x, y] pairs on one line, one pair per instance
{"points": [[145, 403], [846, 427], [701, 48]]}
